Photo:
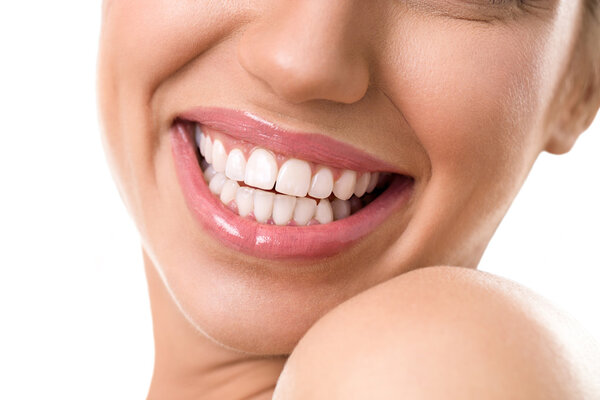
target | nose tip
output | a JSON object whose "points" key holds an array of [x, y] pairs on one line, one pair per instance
{"points": [[306, 53]]}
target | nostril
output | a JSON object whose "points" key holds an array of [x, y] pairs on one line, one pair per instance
{"points": [[319, 80]]}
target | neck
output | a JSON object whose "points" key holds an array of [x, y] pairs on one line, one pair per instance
{"points": [[188, 365]]}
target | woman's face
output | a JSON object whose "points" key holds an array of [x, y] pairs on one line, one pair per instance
{"points": [[450, 96]]}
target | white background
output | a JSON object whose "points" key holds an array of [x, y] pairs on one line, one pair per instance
{"points": [[74, 313]]}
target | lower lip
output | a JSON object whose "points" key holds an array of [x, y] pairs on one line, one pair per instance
{"points": [[271, 241]]}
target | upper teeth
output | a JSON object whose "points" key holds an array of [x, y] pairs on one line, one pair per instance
{"points": [[294, 180]]}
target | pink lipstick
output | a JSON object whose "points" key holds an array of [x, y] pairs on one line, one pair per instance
{"points": [[267, 240]]}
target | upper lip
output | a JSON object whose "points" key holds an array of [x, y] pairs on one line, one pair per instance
{"points": [[314, 147]]}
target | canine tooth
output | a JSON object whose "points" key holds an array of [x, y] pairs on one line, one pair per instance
{"points": [[305, 210], [244, 199], [324, 212], [229, 191], [283, 209], [200, 139], [361, 184], [263, 205], [236, 165], [208, 149], [373, 182], [341, 208], [343, 188], [321, 184], [219, 156], [216, 183], [209, 173], [261, 170], [294, 178]]}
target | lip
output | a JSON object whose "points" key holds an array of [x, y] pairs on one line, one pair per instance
{"points": [[312, 147], [271, 241]]}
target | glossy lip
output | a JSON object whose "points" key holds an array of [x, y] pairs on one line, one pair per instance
{"points": [[271, 241], [313, 147]]}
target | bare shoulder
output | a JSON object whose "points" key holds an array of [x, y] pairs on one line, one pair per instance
{"points": [[444, 332]]}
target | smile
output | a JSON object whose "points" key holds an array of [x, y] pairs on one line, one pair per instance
{"points": [[272, 193]]}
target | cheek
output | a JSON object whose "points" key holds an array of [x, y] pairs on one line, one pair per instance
{"points": [[142, 43], [471, 96], [148, 40]]}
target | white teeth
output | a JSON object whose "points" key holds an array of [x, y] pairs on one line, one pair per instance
{"points": [[219, 156], [344, 186], [361, 184], [263, 205], [321, 184], [283, 209], [341, 208], [236, 165], [208, 149], [373, 182], [229, 191], [216, 183], [244, 199], [324, 212], [200, 138], [305, 210], [209, 173], [261, 170], [294, 178]]}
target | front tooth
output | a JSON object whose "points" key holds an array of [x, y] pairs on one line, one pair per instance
{"points": [[261, 170], [236, 165], [216, 183], [208, 149], [229, 191], [263, 205], [344, 186], [321, 184], [361, 184], [244, 199], [200, 140], [283, 209], [341, 208], [209, 173], [305, 210], [324, 212], [219, 156], [294, 178], [373, 182]]}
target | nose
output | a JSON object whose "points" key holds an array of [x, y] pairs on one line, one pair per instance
{"points": [[309, 50]]}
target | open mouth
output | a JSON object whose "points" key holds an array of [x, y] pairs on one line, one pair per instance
{"points": [[271, 188], [277, 194]]}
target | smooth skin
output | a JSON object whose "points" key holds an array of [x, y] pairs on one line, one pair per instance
{"points": [[462, 94], [443, 333]]}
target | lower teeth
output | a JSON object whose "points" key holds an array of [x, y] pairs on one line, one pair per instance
{"points": [[270, 207]]}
